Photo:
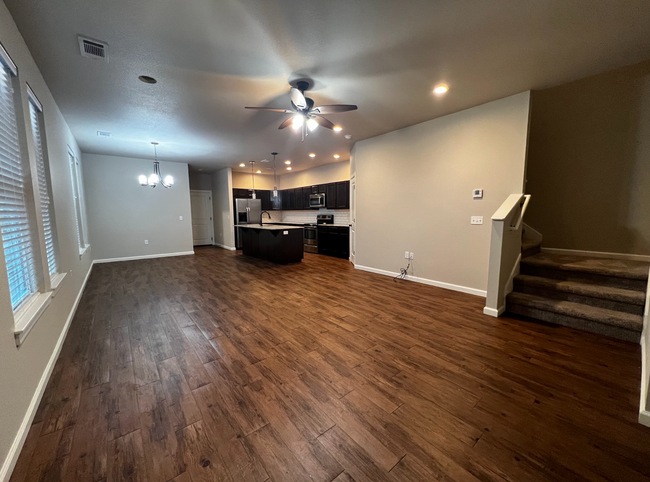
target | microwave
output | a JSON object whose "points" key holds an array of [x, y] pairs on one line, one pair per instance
{"points": [[317, 201]]}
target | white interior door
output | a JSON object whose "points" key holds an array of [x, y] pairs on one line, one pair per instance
{"points": [[202, 225], [353, 217]]}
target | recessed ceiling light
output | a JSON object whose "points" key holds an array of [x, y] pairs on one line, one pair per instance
{"points": [[441, 89], [336, 156], [337, 128], [147, 80], [242, 165], [287, 161], [259, 172], [288, 168], [312, 155]]}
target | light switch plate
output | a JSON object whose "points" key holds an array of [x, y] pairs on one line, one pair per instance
{"points": [[477, 220], [180, 218], [146, 241], [406, 255], [477, 194]]}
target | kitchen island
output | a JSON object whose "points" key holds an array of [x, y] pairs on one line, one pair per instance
{"points": [[272, 242]]}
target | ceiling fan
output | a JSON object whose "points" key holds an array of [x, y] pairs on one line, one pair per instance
{"points": [[306, 117]]}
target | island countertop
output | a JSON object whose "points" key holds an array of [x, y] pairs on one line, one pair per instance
{"points": [[269, 227]]}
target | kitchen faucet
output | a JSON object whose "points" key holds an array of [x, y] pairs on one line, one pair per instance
{"points": [[262, 216]]}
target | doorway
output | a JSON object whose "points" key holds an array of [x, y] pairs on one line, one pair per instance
{"points": [[202, 225]]}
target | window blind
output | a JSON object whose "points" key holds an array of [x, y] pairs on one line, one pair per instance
{"points": [[17, 239], [43, 188]]}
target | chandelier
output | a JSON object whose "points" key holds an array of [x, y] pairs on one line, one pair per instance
{"points": [[156, 177]]}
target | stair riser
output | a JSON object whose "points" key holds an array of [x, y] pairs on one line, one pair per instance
{"points": [[613, 281], [525, 253], [575, 298], [578, 323]]}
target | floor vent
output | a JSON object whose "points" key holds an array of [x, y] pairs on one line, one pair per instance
{"points": [[93, 49]]}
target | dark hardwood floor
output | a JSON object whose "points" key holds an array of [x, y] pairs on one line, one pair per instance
{"points": [[217, 367]]}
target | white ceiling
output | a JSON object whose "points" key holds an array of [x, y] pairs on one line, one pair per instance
{"points": [[213, 57]]}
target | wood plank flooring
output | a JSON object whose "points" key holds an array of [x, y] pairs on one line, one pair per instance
{"points": [[217, 367]]}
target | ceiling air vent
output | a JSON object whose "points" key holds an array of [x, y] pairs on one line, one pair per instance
{"points": [[93, 49]]}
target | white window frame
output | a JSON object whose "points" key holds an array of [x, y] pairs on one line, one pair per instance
{"points": [[79, 202], [56, 277], [30, 309]]}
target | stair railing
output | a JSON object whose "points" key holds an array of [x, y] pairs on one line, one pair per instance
{"points": [[505, 251]]}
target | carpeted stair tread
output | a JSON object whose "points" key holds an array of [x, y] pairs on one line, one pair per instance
{"points": [[619, 268], [577, 310], [585, 289]]}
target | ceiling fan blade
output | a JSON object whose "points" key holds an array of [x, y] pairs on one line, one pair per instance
{"points": [[332, 109], [298, 99], [323, 122], [272, 109], [286, 123]]}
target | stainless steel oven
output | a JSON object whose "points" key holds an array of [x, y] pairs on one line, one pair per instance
{"points": [[310, 238]]}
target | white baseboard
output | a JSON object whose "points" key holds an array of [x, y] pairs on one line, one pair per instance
{"points": [[644, 418], [492, 312], [19, 440], [229, 248], [439, 284], [144, 256], [597, 254]]}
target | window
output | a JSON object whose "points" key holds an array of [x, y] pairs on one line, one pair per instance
{"points": [[79, 202], [17, 231], [46, 208]]}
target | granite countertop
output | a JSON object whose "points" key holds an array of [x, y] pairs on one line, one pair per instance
{"points": [[269, 227]]}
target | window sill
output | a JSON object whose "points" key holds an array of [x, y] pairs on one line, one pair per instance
{"points": [[27, 316], [83, 250], [55, 282]]}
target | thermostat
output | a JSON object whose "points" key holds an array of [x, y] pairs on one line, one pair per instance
{"points": [[477, 193]]}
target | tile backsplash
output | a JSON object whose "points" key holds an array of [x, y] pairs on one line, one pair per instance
{"points": [[341, 216]]}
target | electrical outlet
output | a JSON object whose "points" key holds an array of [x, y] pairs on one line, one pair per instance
{"points": [[180, 218], [146, 241], [410, 255], [406, 254], [477, 220]]}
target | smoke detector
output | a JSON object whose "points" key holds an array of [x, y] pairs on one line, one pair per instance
{"points": [[93, 49]]}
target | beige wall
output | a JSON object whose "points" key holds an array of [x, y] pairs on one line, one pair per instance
{"points": [[338, 171], [589, 163], [243, 180], [122, 214], [24, 371], [224, 234], [414, 191]]}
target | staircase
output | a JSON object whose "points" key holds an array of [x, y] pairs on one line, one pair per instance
{"points": [[600, 295]]}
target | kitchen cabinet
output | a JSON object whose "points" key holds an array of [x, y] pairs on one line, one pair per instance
{"points": [[306, 192], [242, 194], [334, 241], [292, 198], [330, 195], [300, 199], [265, 197], [343, 195]]}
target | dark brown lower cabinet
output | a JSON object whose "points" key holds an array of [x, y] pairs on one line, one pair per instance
{"points": [[334, 241]]}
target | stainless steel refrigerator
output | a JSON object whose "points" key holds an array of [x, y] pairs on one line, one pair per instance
{"points": [[247, 211]]}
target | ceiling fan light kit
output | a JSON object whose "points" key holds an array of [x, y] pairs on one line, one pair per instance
{"points": [[306, 117]]}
